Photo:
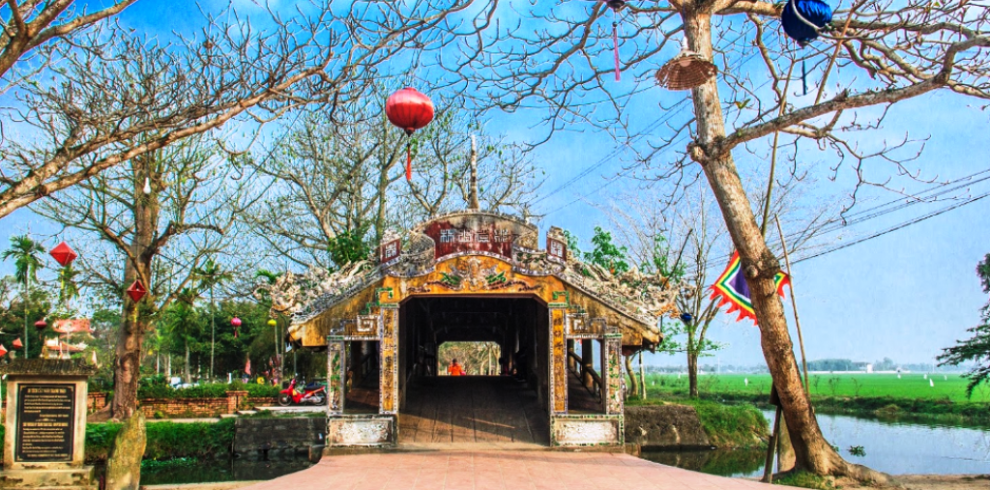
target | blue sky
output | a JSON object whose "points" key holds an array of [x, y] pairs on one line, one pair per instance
{"points": [[904, 295]]}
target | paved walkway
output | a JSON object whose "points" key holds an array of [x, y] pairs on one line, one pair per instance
{"points": [[503, 470]]}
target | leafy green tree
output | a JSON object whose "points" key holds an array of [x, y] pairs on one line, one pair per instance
{"points": [[606, 254], [26, 254], [210, 275], [183, 321], [976, 348], [348, 246]]}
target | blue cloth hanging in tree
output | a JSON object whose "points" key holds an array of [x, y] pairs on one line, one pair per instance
{"points": [[802, 19]]}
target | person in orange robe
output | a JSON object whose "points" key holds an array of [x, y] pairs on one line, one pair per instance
{"points": [[455, 369]]}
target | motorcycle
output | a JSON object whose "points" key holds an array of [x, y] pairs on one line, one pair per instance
{"points": [[312, 394]]}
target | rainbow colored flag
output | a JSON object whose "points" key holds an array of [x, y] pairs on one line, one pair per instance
{"points": [[732, 288]]}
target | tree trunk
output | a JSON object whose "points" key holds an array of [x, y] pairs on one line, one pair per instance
{"points": [[127, 355], [632, 377], [135, 323], [642, 378], [186, 368], [213, 330], [692, 364], [811, 451]]}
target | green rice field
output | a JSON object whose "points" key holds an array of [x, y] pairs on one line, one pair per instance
{"points": [[915, 386]]}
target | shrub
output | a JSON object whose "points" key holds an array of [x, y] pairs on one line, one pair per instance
{"points": [[166, 440], [805, 480], [211, 390]]}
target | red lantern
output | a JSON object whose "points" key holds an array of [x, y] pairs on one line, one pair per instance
{"points": [[63, 254], [40, 324], [17, 344], [136, 291], [3, 350], [235, 322], [409, 110]]}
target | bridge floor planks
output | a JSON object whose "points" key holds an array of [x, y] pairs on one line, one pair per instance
{"points": [[466, 409]]}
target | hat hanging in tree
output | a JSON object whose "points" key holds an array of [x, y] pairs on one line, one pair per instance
{"points": [[804, 19], [686, 70]]}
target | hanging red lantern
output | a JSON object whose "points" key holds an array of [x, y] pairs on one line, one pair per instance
{"points": [[409, 110], [3, 350], [136, 291], [235, 322], [17, 344], [63, 254], [40, 324]]}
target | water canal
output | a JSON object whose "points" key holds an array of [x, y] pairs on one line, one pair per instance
{"points": [[889, 446]]}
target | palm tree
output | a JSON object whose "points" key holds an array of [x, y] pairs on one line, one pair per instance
{"points": [[25, 253], [69, 287], [210, 276], [183, 321]]}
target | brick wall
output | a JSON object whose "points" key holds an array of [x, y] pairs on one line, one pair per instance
{"points": [[181, 407], [96, 401], [184, 407]]}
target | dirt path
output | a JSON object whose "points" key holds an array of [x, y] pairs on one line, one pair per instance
{"points": [[927, 482]]}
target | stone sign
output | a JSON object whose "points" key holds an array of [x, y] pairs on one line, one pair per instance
{"points": [[45, 422], [46, 425]]}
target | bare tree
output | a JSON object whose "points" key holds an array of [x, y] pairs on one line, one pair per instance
{"points": [[28, 24], [879, 52], [130, 96], [162, 214], [334, 182]]}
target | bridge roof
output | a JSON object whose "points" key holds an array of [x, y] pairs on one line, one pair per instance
{"points": [[475, 252]]}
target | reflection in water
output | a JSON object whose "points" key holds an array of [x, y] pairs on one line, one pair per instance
{"points": [[723, 462], [891, 447], [898, 448], [222, 470]]}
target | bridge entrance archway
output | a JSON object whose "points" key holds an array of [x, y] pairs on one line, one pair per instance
{"points": [[510, 406]]}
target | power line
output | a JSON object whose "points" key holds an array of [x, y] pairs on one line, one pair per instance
{"points": [[895, 228], [618, 149]]}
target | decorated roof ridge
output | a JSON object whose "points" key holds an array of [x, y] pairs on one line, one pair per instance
{"points": [[72, 325], [611, 289], [416, 251], [468, 211], [595, 282]]}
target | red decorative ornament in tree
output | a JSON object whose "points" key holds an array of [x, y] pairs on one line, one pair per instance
{"points": [[409, 110], [136, 291], [63, 254], [40, 324], [235, 322], [3, 350], [18, 344]]}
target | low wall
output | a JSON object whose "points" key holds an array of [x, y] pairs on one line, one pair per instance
{"points": [[264, 438], [665, 426], [187, 407]]}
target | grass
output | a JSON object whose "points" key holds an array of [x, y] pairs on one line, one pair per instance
{"points": [[912, 397], [726, 425], [950, 387]]}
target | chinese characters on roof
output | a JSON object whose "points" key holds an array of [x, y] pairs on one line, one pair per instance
{"points": [[451, 235]]}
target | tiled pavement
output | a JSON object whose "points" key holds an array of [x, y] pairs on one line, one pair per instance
{"points": [[490, 470]]}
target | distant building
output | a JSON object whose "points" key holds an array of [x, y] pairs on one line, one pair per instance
{"points": [[72, 337]]}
